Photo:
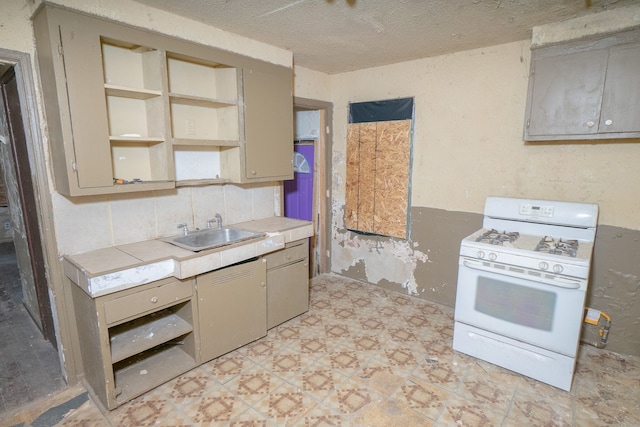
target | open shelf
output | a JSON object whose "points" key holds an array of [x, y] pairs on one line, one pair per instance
{"points": [[136, 139], [190, 121], [203, 101], [187, 142], [139, 159], [145, 333], [140, 374], [192, 77], [127, 92], [198, 101]]}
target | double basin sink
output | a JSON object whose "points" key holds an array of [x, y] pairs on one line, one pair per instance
{"points": [[210, 238]]}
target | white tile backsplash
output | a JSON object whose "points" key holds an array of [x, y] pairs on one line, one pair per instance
{"points": [[264, 201], [133, 218], [83, 227], [238, 202], [207, 202], [85, 224], [174, 207]]}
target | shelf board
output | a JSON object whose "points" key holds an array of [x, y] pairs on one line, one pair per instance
{"points": [[132, 93], [145, 333], [199, 101], [206, 142], [137, 139], [149, 372]]}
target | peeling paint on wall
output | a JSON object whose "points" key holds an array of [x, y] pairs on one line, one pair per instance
{"points": [[383, 258]]}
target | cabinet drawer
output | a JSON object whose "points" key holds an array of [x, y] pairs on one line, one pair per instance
{"points": [[294, 251], [153, 299]]}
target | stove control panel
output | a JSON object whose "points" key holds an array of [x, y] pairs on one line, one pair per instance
{"points": [[529, 209]]}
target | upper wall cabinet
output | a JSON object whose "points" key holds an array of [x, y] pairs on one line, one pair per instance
{"points": [[132, 110], [585, 90]]}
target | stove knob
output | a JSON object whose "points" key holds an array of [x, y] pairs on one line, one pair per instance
{"points": [[480, 254], [543, 266], [493, 256], [557, 268]]}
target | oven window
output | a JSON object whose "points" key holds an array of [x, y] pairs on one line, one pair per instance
{"points": [[516, 304]]}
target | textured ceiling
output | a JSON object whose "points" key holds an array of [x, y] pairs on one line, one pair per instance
{"points": [[335, 36]]}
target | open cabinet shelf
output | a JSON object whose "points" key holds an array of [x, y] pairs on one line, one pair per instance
{"points": [[145, 333], [136, 339], [106, 85], [147, 370]]}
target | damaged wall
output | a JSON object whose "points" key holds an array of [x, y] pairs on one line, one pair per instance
{"points": [[469, 118]]}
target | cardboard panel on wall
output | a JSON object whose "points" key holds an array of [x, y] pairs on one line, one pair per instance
{"points": [[392, 178], [378, 167], [351, 196]]}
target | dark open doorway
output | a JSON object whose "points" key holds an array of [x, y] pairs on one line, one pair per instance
{"points": [[30, 366]]}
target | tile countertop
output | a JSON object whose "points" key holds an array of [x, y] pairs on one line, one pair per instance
{"points": [[108, 270]]}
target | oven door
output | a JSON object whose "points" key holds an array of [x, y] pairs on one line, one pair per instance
{"points": [[514, 304]]}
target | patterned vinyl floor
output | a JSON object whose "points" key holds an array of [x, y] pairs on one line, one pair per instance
{"points": [[364, 356]]}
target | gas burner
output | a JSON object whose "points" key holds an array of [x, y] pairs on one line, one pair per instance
{"points": [[495, 237], [558, 246]]}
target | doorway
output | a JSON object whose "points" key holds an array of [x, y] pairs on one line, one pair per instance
{"points": [[307, 195], [31, 367]]}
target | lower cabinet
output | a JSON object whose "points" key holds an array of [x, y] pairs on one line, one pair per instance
{"points": [[287, 282], [233, 307], [134, 340]]}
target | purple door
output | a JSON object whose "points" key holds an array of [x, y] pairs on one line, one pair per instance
{"points": [[298, 192]]}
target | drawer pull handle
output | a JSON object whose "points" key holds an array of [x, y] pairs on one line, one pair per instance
{"points": [[154, 300]]}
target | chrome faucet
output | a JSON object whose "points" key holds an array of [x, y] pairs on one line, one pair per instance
{"points": [[185, 228], [218, 221]]}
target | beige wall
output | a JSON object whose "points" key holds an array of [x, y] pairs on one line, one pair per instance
{"points": [[469, 116]]}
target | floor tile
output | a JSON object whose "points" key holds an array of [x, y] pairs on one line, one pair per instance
{"points": [[366, 356]]}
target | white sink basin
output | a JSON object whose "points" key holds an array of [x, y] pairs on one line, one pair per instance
{"points": [[212, 238]]}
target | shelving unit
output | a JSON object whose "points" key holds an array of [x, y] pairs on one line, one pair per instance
{"points": [[205, 117], [122, 101], [133, 84], [137, 339]]}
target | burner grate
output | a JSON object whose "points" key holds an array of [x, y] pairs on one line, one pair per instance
{"points": [[495, 237], [554, 246]]}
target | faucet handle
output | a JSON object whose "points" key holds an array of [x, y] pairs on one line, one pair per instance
{"points": [[185, 228], [209, 221]]}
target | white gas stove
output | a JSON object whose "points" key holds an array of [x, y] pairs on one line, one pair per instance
{"points": [[522, 280]]}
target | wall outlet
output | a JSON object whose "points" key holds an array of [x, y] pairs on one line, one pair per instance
{"points": [[7, 225]]}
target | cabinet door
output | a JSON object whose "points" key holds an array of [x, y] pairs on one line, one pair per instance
{"points": [[232, 305], [268, 122], [87, 105], [565, 94], [621, 103], [287, 292]]}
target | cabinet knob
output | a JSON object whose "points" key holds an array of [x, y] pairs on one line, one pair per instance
{"points": [[154, 300], [608, 122], [287, 256], [263, 284], [253, 172], [590, 123]]}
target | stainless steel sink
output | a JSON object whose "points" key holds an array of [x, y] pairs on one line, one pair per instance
{"points": [[212, 238]]}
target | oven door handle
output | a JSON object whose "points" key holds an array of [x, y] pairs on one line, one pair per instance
{"points": [[561, 282]]}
